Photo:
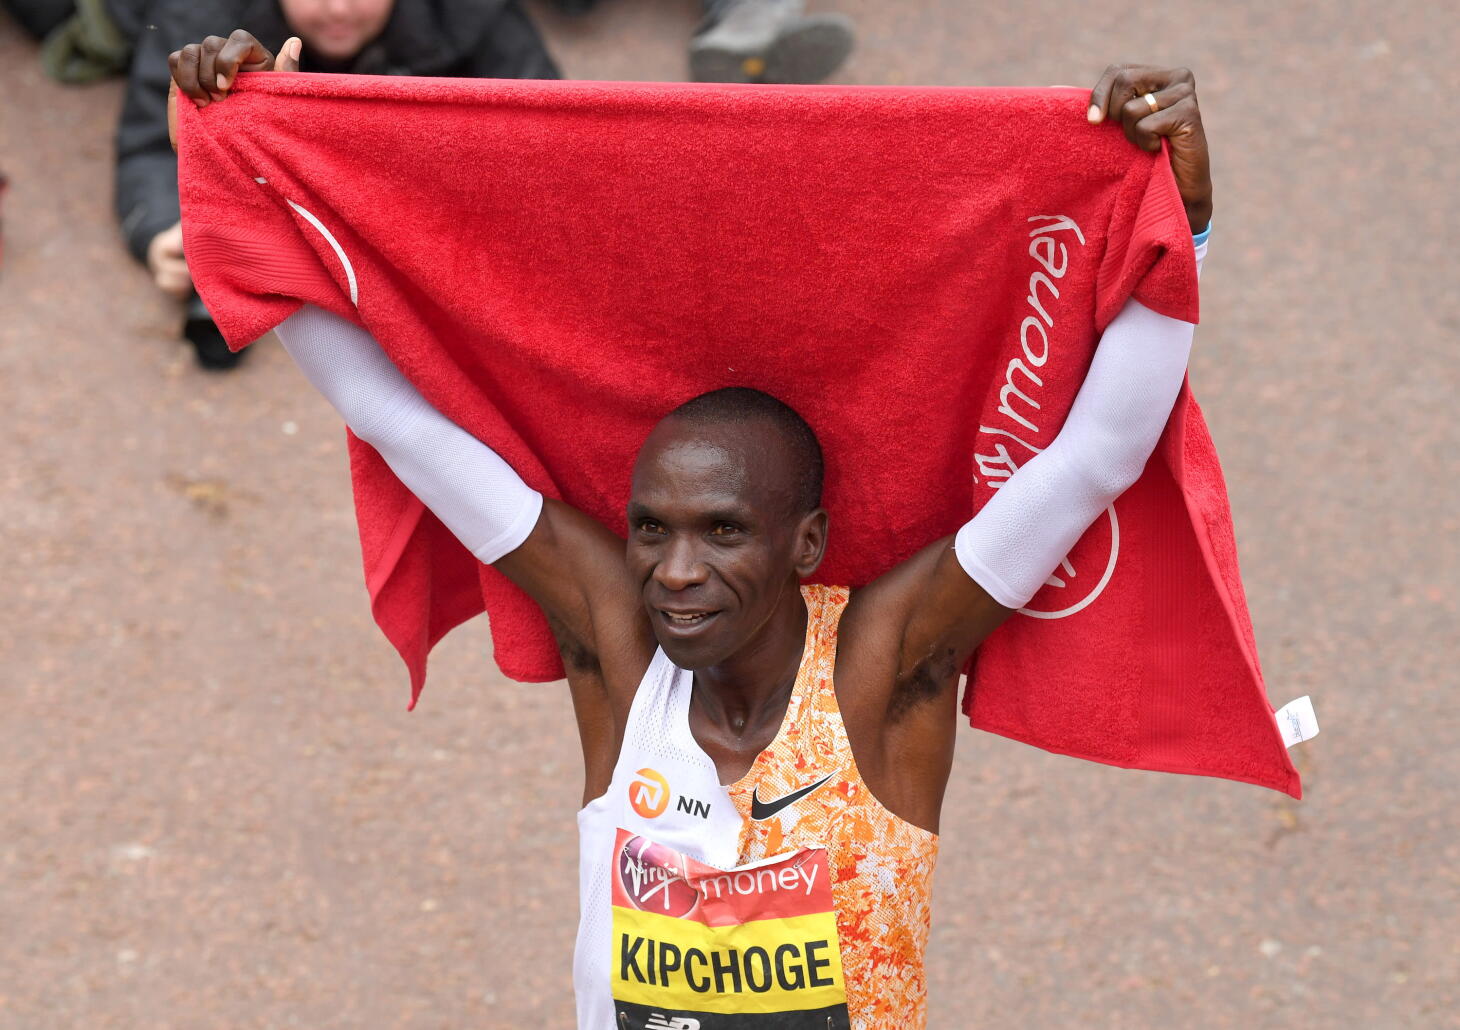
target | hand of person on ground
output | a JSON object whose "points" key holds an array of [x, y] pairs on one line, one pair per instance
{"points": [[165, 261], [1154, 102], [206, 71]]}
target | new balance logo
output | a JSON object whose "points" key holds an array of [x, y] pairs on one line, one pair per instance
{"points": [[658, 1021]]}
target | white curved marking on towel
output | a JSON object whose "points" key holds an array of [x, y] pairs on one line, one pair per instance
{"points": [[1099, 587], [1011, 436], [339, 251]]}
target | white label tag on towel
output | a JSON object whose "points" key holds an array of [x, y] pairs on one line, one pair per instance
{"points": [[1297, 721]]}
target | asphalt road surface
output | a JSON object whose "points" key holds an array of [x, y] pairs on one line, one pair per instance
{"points": [[215, 811]]}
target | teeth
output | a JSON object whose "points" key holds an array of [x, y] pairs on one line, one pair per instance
{"points": [[687, 620]]}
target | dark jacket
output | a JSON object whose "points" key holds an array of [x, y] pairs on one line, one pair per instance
{"points": [[467, 38]]}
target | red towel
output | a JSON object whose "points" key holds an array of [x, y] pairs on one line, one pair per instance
{"points": [[922, 273]]}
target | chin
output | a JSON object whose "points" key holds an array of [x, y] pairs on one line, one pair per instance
{"points": [[338, 50], [691, 655]]}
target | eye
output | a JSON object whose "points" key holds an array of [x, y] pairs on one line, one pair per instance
{"points": [[725, 529], [649, 526]]}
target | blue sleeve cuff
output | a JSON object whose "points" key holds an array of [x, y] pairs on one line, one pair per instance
{"points": [[1203, 236]]}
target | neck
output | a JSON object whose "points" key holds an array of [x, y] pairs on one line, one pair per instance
{"points": [[752, 687]]}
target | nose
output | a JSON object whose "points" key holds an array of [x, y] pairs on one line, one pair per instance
{"points": [[680, 567]]}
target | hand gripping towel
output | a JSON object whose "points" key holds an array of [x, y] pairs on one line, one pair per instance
{"points": [[923, 273]]}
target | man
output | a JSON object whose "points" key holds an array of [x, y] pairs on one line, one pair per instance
{"points": [[764, 763], [459, 38]]}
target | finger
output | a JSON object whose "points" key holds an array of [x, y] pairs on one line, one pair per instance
{"points": [[185, 74], [172, 112], [1175, 124], [241, 53], [1100, 95], [1137, 80], [207, 71], [288, 59], [1142, 123], [1130, 83]]}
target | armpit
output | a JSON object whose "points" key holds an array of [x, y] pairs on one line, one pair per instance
{"points": [[577, 656], [926, 682]]}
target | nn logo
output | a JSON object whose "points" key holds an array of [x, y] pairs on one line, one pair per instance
{"points": [[649, 793], [693, 807]]}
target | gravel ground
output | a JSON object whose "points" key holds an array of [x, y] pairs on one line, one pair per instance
{"points": [[216, 812]]}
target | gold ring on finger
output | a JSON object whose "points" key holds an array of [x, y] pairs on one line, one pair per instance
{"points": [[1150, 99]]}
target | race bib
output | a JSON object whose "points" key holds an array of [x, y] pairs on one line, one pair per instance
{"points": [[700, 948]]}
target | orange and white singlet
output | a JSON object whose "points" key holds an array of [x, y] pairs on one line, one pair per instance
{"points": [[789, 899]]}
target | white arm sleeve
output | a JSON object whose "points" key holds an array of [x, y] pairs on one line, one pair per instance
{"points": [[468, 486], [1025, 530]]}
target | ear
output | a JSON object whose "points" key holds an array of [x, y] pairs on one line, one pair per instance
{"points": [[810, 542]]}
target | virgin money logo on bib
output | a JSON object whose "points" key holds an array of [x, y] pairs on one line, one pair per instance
{"points": [[649, 793], [651, 878], [724, 949]]}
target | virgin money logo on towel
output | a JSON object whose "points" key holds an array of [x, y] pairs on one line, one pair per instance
{"points": [[649, 793], [1019, 430], [1084, 573]]}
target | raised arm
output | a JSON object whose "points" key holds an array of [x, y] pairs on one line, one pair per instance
{"points": [[909, 634], [566, 561], [569, 563]]}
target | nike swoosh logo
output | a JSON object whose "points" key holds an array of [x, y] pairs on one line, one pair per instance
{"points": [[765, 809]]}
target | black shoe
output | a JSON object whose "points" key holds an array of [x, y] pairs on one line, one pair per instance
{"points": [[212, 350], [769, 41]]}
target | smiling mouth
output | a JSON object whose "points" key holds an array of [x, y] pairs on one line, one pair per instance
{"points": [[685, 621]]}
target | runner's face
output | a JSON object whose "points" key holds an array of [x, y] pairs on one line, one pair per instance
{"points": [[713, 536], [337, 30]]}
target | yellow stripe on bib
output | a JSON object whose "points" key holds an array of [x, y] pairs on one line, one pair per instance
{"points": [[767, 965]]}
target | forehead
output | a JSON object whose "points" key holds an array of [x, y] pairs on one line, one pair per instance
{"points": [[720, 465]]}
